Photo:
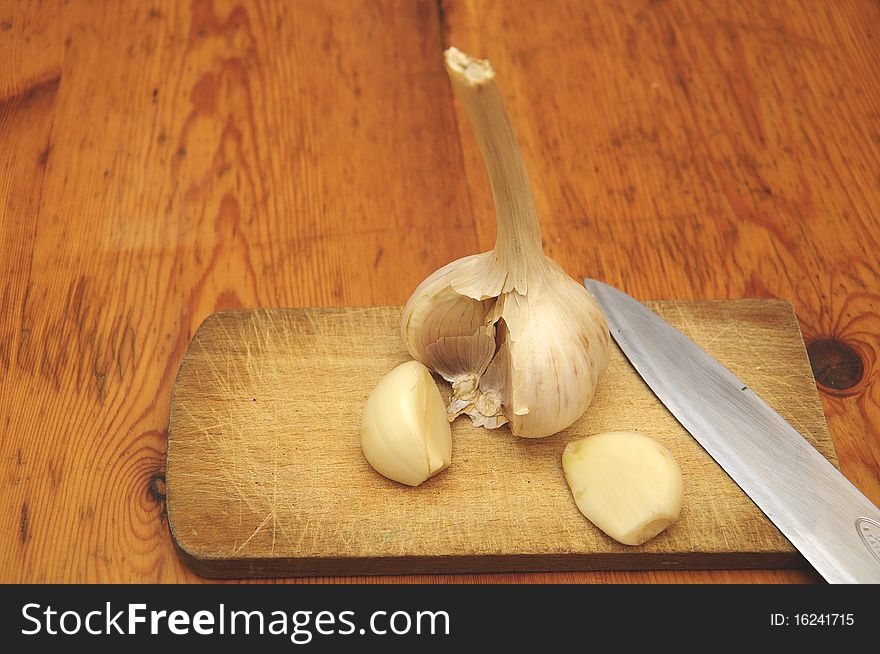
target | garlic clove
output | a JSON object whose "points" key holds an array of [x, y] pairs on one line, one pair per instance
{"points": [[405, 434], [625, 483]]}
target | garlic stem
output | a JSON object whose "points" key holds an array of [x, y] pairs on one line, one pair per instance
{"points": [[518, 240]]}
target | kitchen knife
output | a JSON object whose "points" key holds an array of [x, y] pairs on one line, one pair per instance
{"points": [[825, 517]]}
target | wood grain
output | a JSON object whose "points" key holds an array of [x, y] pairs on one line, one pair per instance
{"points": [[265, 475], [162, 160]]}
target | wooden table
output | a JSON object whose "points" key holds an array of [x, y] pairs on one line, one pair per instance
{"points": [[162, 160]]}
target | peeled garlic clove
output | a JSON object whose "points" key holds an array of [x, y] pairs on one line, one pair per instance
{"points": [[625, 483], [520, 340], [405, 434]]}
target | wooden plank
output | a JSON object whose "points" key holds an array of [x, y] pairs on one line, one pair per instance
{"points": [[203, 156], [265, 475], [30, 76]]}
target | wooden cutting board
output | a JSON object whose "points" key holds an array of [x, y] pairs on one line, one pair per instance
{"points": [[265, 476]]}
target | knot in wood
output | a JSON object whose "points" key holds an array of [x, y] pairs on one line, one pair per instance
{"points": [[835, 364]]}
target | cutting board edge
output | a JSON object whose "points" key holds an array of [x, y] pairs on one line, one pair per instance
{"points": [[211, 568]]}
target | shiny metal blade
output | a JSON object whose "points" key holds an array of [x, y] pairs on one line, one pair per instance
{"points": [[825, 517]]}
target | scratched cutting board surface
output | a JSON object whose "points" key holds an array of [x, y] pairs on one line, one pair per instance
{"points": [[265, 476]]}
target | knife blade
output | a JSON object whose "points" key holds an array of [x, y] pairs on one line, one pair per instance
{"points": [[834, 526]]}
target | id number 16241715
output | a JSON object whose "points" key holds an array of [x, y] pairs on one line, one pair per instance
{"points": [[813, 620], [824, 619]]}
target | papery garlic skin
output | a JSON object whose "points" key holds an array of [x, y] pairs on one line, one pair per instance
{"points": [[625, 483], [405, 435], [520, 341]]}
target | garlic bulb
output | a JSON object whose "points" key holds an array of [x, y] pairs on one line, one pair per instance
{"points": [[520, 341], [405, 434], [625, 483]]}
